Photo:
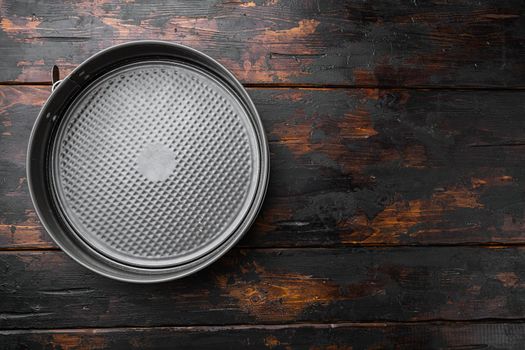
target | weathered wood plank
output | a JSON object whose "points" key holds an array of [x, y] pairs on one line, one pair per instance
{"points": [[272, 286], [387, 43], [361, 166], [318, 337]]}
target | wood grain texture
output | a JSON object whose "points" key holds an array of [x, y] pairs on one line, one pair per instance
{"points": [[380, 43], [348, 167], [315, 337], [272, 286], [363, 179]]}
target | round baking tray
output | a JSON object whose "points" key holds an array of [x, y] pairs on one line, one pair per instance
{"points": [[148, 162]]}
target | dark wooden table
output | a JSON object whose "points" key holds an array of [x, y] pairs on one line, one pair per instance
{"points": [[395, 216]]}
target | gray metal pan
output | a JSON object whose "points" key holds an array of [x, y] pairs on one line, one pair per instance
{"points": [[148, 162]]}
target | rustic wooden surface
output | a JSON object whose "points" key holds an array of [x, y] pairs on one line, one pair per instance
{"points": [[395, 214], [379, 43], [330, 337]]}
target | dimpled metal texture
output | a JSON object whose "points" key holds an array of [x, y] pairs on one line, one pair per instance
{"points": [[155, 164]]}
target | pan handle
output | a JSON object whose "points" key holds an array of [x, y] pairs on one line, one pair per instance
{"points": [[55, 77]]}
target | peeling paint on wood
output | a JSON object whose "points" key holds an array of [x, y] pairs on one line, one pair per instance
{"points": [[302, 336], [384, 163], [273, 286], [349, 167], [390, 43]]}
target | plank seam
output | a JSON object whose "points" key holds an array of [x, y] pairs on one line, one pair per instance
{"points": [[494, 245], [269, 326], [330, 86]]}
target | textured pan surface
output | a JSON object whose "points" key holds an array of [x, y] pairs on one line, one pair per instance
{"points": [[155, 164]]}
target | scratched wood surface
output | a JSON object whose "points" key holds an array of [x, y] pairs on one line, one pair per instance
{"points": [[379, 43], [330, 337], [348, 167], [396, 205], [273, 286]]}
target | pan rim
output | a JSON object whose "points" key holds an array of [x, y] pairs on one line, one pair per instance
{"points": [[91, 258]]}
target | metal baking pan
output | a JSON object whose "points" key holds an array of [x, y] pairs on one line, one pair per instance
{"points": [[148, 162]]}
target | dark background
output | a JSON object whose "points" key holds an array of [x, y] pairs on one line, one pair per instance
{"points": [[395, 211]]}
